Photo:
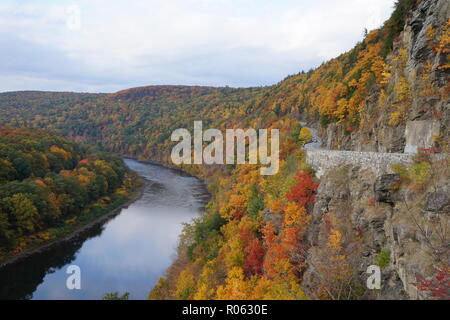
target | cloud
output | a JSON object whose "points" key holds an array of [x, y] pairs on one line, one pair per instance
{"points": [[127, 43]]}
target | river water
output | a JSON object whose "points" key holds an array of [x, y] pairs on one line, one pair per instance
{"points": [[128, 253]]}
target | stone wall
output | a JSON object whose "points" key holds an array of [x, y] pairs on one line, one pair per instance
{"points": [[379, 163]]}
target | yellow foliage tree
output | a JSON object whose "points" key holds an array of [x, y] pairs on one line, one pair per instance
{"points": [[185, 286], [305, 135], [297, 216], [236, 287], [66, 155], [280, 289]]}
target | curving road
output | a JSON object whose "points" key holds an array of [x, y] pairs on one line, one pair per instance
{"points": [[316, 142]]}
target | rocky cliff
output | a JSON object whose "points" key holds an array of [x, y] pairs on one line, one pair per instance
{"points": [[381, 216], [416, 64], [397, 217]]}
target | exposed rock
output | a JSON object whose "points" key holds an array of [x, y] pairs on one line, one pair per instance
{"points": [[321, 207], [273, 218], [385, 188], [344, 202], [438, 201], [421, 134], [376, 134], [392, 288], [419, 48], [415, 225]]}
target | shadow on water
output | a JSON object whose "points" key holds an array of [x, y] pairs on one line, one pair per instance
{"points": [[19, 280]]}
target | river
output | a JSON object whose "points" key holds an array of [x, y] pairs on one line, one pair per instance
{"points": [[128, 253]]}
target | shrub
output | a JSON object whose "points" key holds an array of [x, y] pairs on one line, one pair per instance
{"points": [[383, 259], [438, 286], [420, 172]]}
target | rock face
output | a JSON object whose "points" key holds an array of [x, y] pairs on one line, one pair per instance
{"points": [[421, 134], [438, 201], [385, 188], [378, 215], [406, 227], [419, 124]]}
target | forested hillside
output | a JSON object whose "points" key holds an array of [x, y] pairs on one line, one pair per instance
{"points": [[254, 241], [50, 185], [137, 121]]}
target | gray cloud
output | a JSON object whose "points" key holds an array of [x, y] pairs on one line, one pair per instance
{"points": [[130, 43]]}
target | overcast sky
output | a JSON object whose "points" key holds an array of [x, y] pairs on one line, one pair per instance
{"points": [[118, 44]]}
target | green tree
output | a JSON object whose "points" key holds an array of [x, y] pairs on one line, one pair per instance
{"points": [[255, 202], [277, 110], [5, 232], [24, 212]]}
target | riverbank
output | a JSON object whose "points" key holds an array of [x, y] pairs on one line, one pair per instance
{"points": [[77, 230]]}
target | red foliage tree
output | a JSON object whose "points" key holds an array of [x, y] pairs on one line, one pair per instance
{"points": [[254, 259], [438, 286], [304, 191]]}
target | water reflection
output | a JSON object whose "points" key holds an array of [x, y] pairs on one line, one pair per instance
{"points": [[128, 253]]}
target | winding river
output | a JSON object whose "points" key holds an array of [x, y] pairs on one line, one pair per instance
{"points": [[128, 253]]}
